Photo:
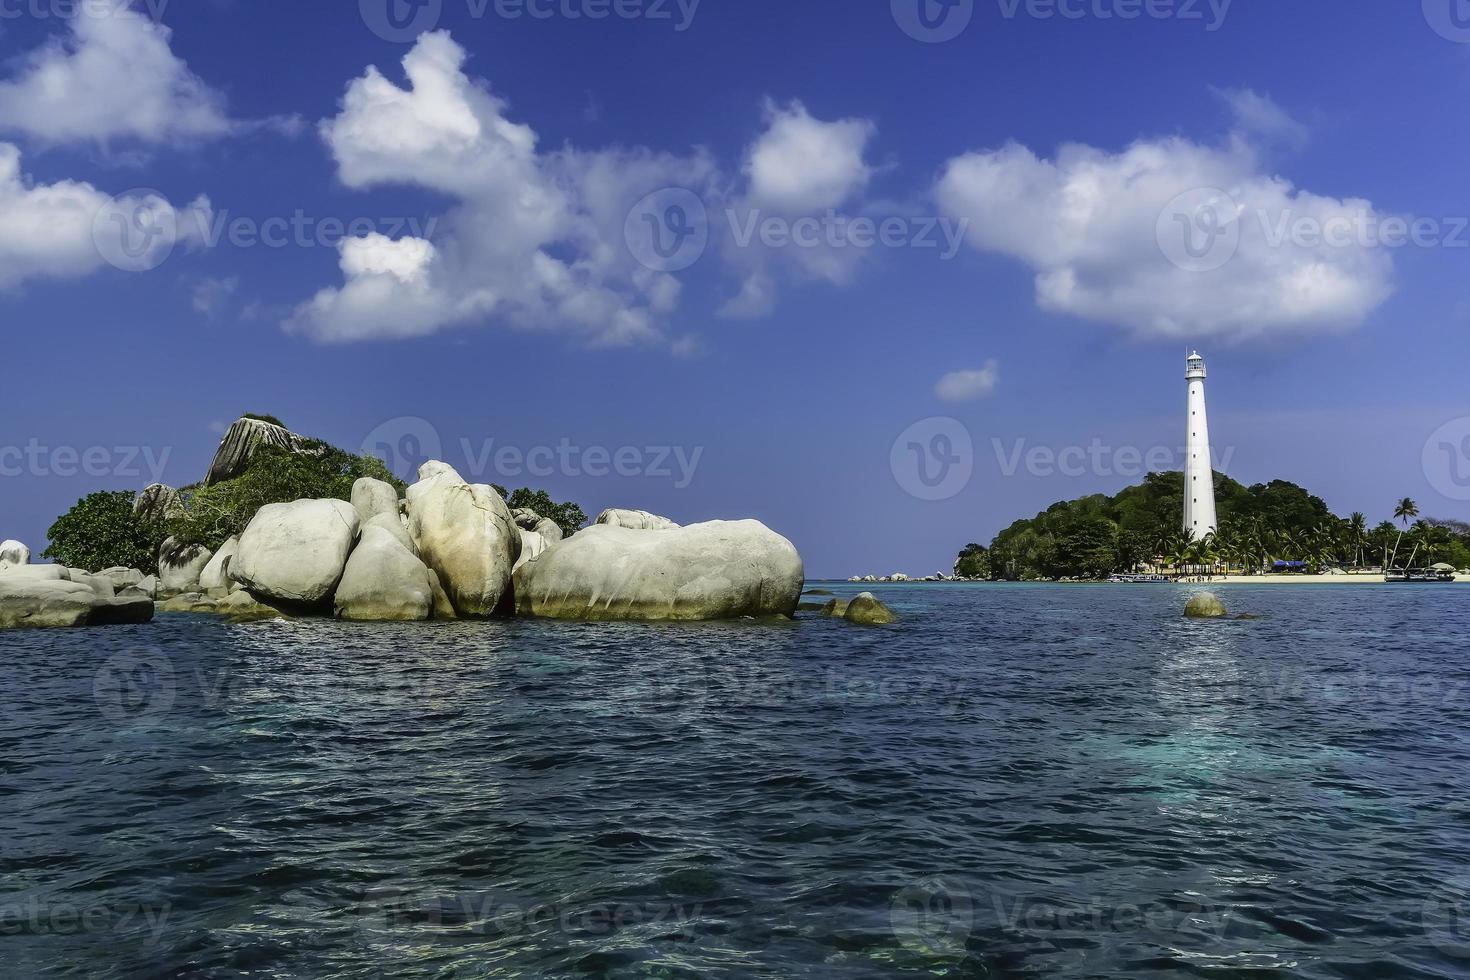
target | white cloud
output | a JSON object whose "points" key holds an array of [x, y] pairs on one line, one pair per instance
{"points": [[1099, 230], [798, 170], [47, 230], [114, 76], [1258, 115], [968, 386], [211, 294], [801, 164], [534, 239]]}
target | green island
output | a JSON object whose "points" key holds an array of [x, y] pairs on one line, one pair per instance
{"points": [[1276, 526]]}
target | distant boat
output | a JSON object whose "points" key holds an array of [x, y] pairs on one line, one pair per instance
{"points": [[1420, 576], [1140, 579]]}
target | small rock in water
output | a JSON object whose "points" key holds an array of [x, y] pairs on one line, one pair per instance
{"points": [[866, 610], [837, 608], [1205, 605]]}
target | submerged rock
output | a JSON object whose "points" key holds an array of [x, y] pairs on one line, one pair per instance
{"points": [[188, 602], [1204, 605], [836, 609], [296, 552], [867, 610], [242, 607], [719, 570]]}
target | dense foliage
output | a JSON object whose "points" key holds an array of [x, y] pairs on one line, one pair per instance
{"points": [[569, 517], [264, 418], [274, 476], [1259, 525], [101, 532]]}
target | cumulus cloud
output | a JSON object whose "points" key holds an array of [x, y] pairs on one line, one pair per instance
{"points": [[802, 164], [113, 76], [799, 170], [63, 230], [212, 293], [968, 386], [1171, 238], [535, 239]]}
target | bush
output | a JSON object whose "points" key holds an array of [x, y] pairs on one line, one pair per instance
{"points": [[274, 476], [264, 418], [101, 532]]}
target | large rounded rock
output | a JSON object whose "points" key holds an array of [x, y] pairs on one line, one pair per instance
{"points": [[180, 565], [394, 525], [550, 530], [216, 574], [156, 503], [296, 552], [719, 570], [13, 553], [1204, 605], [36, 573], [241, 442], [371, 498], [384, 582], [40, 604], [635, 520], [123, 578], [466, 535]]}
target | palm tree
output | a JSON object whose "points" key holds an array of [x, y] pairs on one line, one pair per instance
{"points": [[1357, 532], [1405, 511]]}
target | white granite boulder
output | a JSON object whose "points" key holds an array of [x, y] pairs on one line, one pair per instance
{"points": [[180, 565], [32, 603], [373, 497], [466, 535], [636, 520], [216, 574], [384, 581], [719, 570], [296, 552], [533, 545], [158, 502], [13, 553]]}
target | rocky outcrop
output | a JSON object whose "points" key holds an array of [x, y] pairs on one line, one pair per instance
{"points": [[180, 565], [158, 502], [188, 602], [529, 520], [242, 607], [123, 578], [395, 526], [719, 570], [370, 498], [465, 533], [216, 574], [1204, 605], [635, 520], [13, 553], [240, 444], [384, 582], [867, 610], [34, 603], [296, 552], [533, 545]]}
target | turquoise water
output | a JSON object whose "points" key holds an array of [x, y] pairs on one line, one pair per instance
{"points": [[1016, 781]]}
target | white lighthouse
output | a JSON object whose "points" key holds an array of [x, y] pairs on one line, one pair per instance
{"points": [[1199, 474]]}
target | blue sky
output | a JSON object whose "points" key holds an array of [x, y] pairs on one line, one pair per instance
{"points": [[498, 292]]}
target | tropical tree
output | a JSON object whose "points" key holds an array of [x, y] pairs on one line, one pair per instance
{"points": [[1405, 511]]}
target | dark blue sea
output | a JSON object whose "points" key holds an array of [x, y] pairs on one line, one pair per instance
{"points": [[1050, 781]]}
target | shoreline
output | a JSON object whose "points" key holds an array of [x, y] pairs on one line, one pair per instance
{"points": [[1217, 580]]}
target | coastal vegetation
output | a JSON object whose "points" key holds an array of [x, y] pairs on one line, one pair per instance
{"points": [[102, 531], [1259, 525]]}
